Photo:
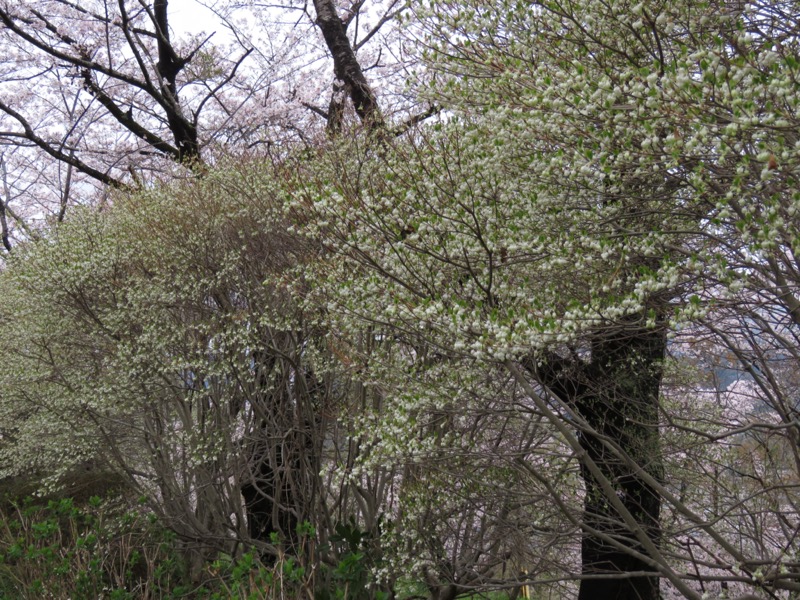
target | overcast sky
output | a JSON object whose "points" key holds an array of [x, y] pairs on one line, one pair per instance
{"points": [[189, 16]]}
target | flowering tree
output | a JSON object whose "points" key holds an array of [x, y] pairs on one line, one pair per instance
{"points": [[111, 95], [612, 173], [161, 341], [578, 290]]}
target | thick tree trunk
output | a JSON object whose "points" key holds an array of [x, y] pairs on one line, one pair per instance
{"points": [[620, 403], [616, 392]]}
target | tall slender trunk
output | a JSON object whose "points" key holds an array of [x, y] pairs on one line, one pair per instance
{"points": [[169, 65], [350, 77]]}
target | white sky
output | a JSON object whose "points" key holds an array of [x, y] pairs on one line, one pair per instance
{"points": [[189, 16]]}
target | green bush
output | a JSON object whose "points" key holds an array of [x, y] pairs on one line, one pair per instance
{"points": [[63, 549]]}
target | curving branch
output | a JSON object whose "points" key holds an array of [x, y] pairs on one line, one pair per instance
{"points": [[60, 155], [158, 77]]}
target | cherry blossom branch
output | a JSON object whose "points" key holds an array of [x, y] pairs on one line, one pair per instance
{"points": [[64, 157]]}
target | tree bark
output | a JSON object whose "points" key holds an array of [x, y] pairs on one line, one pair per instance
{"points": [[279, 484], [268, 496], [347, 70], [616, 391], [169, 66]]}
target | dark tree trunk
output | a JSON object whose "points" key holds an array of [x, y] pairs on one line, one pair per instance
{"points": [[169, 65], [447, 592], [279, 486], [347, 70], [268, 498], [616, 392], [621, 404]]}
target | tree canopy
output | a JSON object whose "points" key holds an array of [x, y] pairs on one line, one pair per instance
{"points": [[545, 342]]}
